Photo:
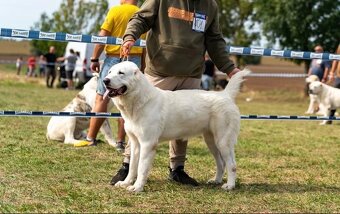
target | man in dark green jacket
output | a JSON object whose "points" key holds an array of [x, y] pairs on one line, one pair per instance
{"points": [[180, 32]]}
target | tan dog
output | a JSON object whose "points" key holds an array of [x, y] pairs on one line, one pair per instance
{"points": [[70, 130]]}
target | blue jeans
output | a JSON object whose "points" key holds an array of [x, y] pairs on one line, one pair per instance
{"points": [[108, 63]]}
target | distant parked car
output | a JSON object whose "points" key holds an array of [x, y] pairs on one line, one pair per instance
{"points": [[82, 72]]}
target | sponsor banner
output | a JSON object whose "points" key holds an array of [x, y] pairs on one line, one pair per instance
{"points": [[44, 35], [73, 37]]}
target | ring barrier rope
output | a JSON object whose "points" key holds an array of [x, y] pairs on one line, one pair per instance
{"points": [[66, 37], [118, 115]]}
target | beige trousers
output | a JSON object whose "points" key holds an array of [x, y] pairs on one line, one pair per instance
{"points": [[178, 147]]}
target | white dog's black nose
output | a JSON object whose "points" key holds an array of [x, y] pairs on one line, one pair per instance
{"points": [[106, 81]]}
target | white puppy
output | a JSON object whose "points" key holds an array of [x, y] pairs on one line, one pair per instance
{"points": [[313, 100], [70, 130], [328, 96], [152, 115]]}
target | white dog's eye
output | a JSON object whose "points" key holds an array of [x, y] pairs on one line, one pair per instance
{"points": [[109, 72], [120, 73]]}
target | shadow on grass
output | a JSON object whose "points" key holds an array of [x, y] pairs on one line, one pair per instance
{"points": [[285, 187], [254, 188]]}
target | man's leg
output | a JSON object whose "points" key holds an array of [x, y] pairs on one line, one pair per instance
{"points": [[48, 75], [95, 123], [121, 135], [53, 73], [177, 153], [124, 170]]}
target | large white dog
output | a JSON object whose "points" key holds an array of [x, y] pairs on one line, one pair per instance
{"points": [[152, 115], [328, 96], [70, 130]]}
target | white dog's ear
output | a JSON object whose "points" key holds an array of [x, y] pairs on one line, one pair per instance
{"points": [[135, 71]]}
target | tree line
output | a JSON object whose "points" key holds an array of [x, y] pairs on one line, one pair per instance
{"points": [[296, 25]]}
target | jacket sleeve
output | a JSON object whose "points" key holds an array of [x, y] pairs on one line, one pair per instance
{"points": [[142, 20], [216, 46]]}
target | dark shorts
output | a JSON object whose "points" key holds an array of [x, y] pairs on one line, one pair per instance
{"points": [[69, 74], [337, 82]]}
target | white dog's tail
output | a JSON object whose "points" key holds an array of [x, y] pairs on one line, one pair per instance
{"points": [[233, 86]]}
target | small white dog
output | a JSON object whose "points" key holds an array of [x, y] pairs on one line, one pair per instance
{"points": [[70, 130], [152, 115], [313, 100], [328, 96]]}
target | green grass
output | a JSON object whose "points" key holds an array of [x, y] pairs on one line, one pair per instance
{"points": [[283, 166]]}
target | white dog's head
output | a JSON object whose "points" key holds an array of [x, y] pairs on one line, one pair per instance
{"points": [[312, 78], [315, 88], [120, 78]]}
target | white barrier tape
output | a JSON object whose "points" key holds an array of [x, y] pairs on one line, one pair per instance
{"points": [[118, 115], [63, 37], [281, 53], [42, 64], [66, 37], [277, 75]]}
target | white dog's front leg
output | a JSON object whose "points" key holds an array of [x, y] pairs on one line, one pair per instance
{"points": [[327, 113], [147, 155], [312, 104], [69, 132], [134, 159]]}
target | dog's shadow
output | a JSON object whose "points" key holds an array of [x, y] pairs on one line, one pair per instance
{"points": [[255, 188]]}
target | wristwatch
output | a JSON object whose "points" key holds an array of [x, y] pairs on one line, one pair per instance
{"points": [[94, 59]]}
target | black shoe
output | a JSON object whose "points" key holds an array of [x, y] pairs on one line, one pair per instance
{"points": [[121, 174], [329, 122], [180, 176]]}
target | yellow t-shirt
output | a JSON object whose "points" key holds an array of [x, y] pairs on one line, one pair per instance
{"points": [[116, 22]]}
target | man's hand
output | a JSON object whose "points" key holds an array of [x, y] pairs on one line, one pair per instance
{"points": [[126, 47], [95, 67], [233, 72]]}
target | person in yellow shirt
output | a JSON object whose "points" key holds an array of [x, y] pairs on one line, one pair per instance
{"points": [[114, 25]]}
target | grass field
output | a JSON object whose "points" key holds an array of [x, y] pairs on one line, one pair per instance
{"points": [[283, 166]]}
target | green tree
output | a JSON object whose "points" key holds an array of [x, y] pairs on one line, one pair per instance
{"points": [[73, 16], [237, 22], [300, 24]]}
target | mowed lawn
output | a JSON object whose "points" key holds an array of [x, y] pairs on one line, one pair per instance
{"points": [[283, 166]]}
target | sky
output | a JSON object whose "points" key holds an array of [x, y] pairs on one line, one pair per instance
{"points": [[22, 14]]}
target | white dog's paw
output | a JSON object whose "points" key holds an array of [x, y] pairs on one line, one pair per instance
{"points": [[134, 188], [327, 122], [122, 184], [214, 181], [228, 187]]}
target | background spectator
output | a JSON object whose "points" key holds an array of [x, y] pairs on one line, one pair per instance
{"points": [[70, 65], [18, 65], [42, 66], [319, 67], [31, 63], [51, 59]]}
